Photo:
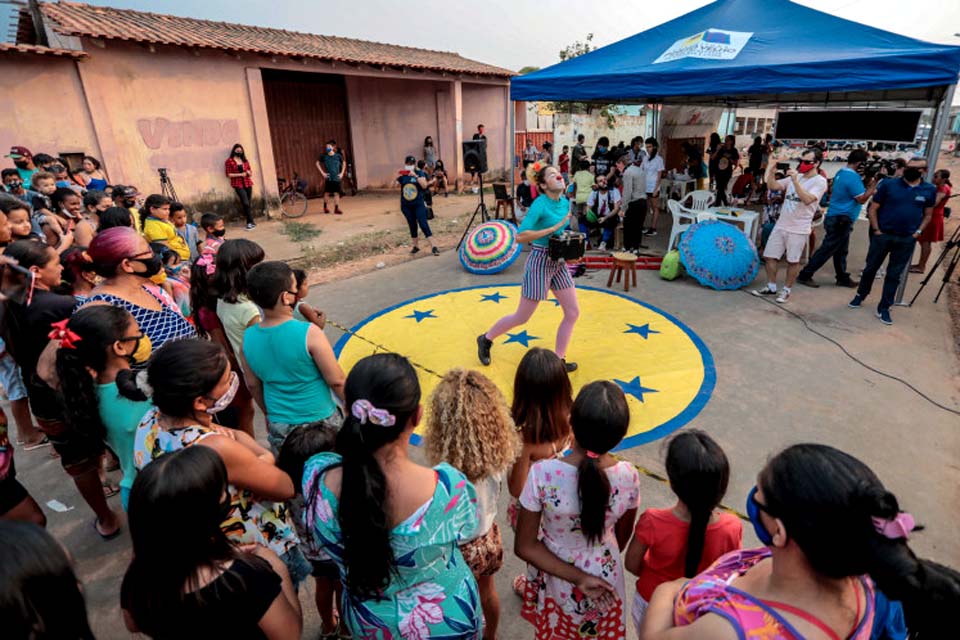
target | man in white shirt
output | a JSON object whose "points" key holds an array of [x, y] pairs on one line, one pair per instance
{"points": [[635, 201], [654, 168], [605, 204], [804, 187], [530, 153]]}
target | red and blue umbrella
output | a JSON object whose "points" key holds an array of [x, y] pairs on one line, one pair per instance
{"points": [[718, 255], [490, 247]]}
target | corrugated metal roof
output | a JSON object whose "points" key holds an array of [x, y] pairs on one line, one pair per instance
{"points": [[77, 19]]}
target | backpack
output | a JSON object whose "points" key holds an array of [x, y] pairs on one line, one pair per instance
{"points": [[670, 266]]}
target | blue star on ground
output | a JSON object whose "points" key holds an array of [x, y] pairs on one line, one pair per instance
{"points": [[420, 315], [523, 338], [634, 388], [643, 330], [493, 297]]}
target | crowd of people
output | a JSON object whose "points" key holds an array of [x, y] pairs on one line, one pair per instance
{"points": [[145, 350]]}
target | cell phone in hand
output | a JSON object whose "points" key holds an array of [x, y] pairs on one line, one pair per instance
{"points": [[15, 282]]}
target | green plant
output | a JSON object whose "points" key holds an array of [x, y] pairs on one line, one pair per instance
{"points": [[299, 231], [607, 111], [228, 206]]}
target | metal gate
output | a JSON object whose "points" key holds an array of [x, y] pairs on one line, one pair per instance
{"points": [[305, 110]]}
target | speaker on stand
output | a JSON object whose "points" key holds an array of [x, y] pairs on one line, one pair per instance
{"points": [[475, 161]]}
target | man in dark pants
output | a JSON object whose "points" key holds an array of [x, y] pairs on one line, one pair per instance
{"points": [[846, 198], [900, 210]]}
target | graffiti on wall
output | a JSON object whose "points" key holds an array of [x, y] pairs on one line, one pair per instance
{"points": [[188, 145]]}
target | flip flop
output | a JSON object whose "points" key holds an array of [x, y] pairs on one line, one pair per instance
{"points": [[36, 445], [915, 270], [109, 490], [109, 536]]}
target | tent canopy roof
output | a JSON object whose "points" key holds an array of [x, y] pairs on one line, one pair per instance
{"points": [[762, 51]]}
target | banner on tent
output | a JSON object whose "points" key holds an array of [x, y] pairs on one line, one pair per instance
{"points": [[712, 44]]}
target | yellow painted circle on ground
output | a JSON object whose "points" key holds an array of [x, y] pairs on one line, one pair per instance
{"points": [[665, 370]]}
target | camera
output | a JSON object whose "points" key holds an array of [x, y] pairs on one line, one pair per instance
{"points": [[873, 166]]}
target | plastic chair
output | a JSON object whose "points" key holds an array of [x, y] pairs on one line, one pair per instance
{"points": [[699, 199], [683, 218]]}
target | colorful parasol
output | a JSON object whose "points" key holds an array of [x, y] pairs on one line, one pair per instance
{"points": [[490, 247], [719, 255]]}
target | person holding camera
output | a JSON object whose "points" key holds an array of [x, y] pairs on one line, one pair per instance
{"points": [[900, 211], [847, 198]]}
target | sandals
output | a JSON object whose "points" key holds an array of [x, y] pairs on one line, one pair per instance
{"points": [[110, 490], [109, 536], [44, 442], [338, 633]]}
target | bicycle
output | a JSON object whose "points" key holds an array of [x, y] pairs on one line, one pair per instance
{"points": [[293, 200]]}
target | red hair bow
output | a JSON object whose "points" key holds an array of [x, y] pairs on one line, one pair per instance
{"points": [[68, 339]]}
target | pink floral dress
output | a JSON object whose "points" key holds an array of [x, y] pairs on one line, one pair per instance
{"points": [[555, 607]]}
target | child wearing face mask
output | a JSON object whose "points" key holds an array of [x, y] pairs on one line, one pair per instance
{"points": [[103, 341], [214, 232]]}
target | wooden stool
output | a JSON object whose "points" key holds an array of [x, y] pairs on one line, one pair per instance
{"points": [[623, 262]]}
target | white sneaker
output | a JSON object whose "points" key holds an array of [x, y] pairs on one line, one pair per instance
{"points": [[764, 291], [784, 296], [476, 189], [602, 247]]}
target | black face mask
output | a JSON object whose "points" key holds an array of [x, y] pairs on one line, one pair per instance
{"points": [[128, 203], [219, 232], [153, 264], [912, 174]]}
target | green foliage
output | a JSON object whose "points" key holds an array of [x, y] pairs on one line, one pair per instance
{"points": [[299, 231], [528, 69], [607, 111]]}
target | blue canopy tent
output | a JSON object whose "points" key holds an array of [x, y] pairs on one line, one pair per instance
{"points": [[757, 52]]}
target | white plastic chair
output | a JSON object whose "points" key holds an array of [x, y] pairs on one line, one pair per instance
{"points": [[699, 199], [683, 219]]}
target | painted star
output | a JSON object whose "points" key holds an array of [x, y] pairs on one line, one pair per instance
{"points": [[634, 388], [643, 330], [420, 315], [493, 297], [523, 338]]}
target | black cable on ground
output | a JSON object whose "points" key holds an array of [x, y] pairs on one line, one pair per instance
{"points": [[853, 357]]}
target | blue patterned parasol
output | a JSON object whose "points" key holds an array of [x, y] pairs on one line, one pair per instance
{"points": [[719, 255]]}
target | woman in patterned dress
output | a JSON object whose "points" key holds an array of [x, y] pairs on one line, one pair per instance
{"points": [[392, 526]]}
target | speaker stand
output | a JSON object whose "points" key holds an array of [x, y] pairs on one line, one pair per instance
{"points": [[481, 209]]}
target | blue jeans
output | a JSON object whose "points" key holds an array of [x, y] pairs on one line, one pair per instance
{"points": [[835, 244], [416, 216], [900, 250]]}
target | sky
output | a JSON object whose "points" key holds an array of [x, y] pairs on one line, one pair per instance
{"points": [[517, 33]]}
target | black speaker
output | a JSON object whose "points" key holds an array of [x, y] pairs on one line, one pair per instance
{"points": [[475, 156]]}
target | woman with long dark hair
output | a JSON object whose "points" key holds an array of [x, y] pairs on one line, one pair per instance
{"points": [[429, 153], [727, 158], [577, 514], [237, 168], [713, 150], [99, 388], [688, 537], [392, 525], [40, 595], [91, 174], [206, 587], [124, 259], [835, 550], [547, 216], [234, 307], [28, 325], [189, 382]]}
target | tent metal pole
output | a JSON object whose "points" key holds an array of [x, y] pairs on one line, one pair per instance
{"points": [[513, 145], [938, 128]]}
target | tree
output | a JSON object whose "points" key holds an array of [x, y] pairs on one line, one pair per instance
{"points": [[528, 69], [607, 111]]}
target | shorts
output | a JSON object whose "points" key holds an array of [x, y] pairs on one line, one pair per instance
{"points": [[79, 453], [333, 186], [783, 242], [12, 492], [324, 569], [11, 379], [638, 610], [277, 431], [541, 274], [297, 566], [484, 555]]}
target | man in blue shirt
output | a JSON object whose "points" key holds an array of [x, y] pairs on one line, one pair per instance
{"points": [[900, 210], [846, 198]]}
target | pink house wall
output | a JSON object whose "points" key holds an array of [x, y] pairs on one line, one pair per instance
{"points": [[42, 107], [488, 105]]}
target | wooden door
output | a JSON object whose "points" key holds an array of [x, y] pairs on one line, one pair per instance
{"points": [[305, 110]]}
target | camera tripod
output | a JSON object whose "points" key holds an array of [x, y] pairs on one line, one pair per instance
{"points": [[481, 209], [953, 244], [166, 186]]}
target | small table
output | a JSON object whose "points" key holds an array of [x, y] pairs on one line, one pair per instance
{"points": [[624, 265], [681, 185], [744, 218]]}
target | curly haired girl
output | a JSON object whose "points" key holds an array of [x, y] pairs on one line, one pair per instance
{"points": [[470, 427]]}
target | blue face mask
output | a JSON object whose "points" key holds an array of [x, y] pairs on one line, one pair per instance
{"points": [[602, 149], [753, 510]]}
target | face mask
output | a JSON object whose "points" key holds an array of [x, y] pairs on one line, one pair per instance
{"points": [[14, 186], [153, 266], [753, 510], [296, 301], [237, 154], [224, 401], [141, 350], [174, 270], [602, 149], [805, 166], [912, 174], [129, 203], [219, 233], [329, 149], [411, 168]]}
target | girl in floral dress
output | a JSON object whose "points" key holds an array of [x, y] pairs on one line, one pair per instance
{"points": [[392, 526], [575, 582]]}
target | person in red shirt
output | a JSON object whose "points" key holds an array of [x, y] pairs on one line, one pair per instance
{"points": [[688, 537], [933, 232], [564, 162], [237, 169]]}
